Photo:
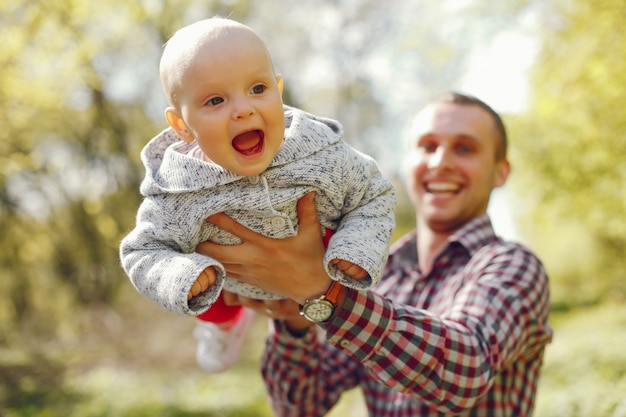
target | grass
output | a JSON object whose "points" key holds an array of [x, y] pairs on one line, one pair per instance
{"points": [[136, 360], [585, 366]]}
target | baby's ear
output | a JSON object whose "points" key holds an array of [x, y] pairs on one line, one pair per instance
{"points": [[280, 82], [178, 124]]}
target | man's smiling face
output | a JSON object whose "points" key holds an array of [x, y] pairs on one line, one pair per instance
{"points": [[451, 165]]}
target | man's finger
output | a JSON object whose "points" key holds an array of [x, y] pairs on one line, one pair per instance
{"points": [[307, 212], [225, 222], [208, 248], [230, 298]]}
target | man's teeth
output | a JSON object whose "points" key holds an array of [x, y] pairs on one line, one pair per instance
{"points": [[442, 187]]}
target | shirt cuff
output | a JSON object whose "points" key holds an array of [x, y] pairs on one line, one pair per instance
{"points": [[361, 324]]}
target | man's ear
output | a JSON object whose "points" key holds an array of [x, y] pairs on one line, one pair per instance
{"points": [[503, 169], [178, 124]]}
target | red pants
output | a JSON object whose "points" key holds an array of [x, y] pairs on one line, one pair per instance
{"points": [[219, 312]]}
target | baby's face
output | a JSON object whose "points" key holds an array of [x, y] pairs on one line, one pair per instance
{"points": [[231, 102]]}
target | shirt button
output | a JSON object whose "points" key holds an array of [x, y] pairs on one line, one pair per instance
{"points": [[278, 222], [344, 343], [254, 179]]}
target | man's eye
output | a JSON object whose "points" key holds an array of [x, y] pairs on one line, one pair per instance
{"points": [[258, 89], [428, 147], [214, 101], [464, 149]]}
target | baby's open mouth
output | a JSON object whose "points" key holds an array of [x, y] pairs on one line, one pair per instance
{"points": [[249, 143]]}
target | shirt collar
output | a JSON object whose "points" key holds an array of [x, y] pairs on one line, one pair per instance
{"points": [[472, 236]]}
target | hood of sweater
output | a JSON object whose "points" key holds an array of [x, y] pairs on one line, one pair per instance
{"points": [[170, 168]]}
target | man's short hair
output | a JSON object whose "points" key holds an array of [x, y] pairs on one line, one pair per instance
{"points": [[467, 100]]}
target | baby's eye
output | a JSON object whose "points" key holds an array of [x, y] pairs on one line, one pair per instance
{"points": [[214, 101], [258, 89]]}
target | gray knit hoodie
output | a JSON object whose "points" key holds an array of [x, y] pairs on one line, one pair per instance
{"points": [[181, 191]]}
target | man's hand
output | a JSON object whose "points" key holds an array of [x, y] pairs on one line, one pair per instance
{"points": [[276, 309], [287, 310], [292, 267], [204, 281]]}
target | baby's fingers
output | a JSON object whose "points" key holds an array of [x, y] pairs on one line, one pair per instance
{"points": [[350, 269], [204, 281]]}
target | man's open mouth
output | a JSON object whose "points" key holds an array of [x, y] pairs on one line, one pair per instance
{"points": [[442, 187], [249, 143]]}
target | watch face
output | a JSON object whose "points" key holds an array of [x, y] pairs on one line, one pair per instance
{"points": [[318, 310]]}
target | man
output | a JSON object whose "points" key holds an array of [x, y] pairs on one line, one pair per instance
{"points": [[459, 322]]}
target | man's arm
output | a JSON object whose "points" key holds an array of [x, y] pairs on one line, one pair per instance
{"points": [[446, 359]]}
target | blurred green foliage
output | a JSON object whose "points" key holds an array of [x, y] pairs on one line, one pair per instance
{"points": [[585, 367], [570, 147], [65, 169]]}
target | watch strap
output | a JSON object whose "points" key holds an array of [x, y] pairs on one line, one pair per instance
{"points": [[333, 292]]}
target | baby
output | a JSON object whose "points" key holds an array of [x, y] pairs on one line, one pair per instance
{"points": [[233, 147]]}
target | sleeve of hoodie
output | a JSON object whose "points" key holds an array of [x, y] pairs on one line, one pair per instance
{"points": [[157, 266], [368, 220]]}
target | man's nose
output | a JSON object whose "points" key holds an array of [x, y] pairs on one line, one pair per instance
{"points": [[440, 158]]}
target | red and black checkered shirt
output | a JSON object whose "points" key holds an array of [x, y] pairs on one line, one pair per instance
{"points": [[465, 339]]}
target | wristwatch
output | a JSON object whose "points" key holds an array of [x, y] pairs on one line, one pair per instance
{"points": [[320, 310]]}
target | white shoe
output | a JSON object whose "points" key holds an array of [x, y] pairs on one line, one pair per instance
{"points": [[218, 347]]}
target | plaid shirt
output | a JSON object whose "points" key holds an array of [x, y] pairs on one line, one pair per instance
{"points": [[466, 339]]}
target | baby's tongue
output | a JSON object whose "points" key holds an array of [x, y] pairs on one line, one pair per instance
{"points": [[248, 143]]}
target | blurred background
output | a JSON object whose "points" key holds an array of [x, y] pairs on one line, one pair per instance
{"points": [[80, 96]]}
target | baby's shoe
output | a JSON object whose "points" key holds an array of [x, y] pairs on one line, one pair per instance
{"points": [[219, 344]]}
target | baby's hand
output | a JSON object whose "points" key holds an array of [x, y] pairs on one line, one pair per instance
{"points": [[352, 270], [204, 281]]}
